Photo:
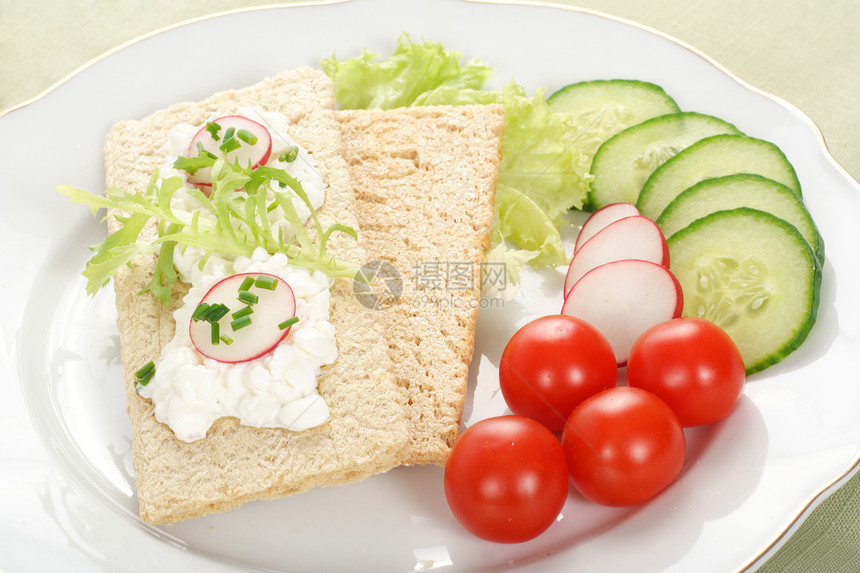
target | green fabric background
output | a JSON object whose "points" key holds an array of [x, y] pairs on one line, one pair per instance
{"points": [[805, 52]]}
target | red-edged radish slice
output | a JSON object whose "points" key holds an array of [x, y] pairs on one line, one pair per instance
{"points": [[601, 218], [275, 304], [239, 139], [634, 237], [623, 299]]}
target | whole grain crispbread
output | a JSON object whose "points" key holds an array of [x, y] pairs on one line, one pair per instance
{"points": [[425, 181], [368, 429]]}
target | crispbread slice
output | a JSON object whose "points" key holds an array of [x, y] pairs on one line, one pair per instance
{"points": [[368, 430], [425, 181]]}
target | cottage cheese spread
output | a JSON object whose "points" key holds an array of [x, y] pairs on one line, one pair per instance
{"points": [[189, 391]]}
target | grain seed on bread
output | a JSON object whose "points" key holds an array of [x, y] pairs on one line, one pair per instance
{"points": [[368, 430], [425, 180]]}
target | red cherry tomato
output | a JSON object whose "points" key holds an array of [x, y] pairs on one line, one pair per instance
{"points": [[506, 479], [692, 365], [551, 365], [623, 446]]}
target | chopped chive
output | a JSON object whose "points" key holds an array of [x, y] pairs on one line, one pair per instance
{"points": [[145, 369], [216, 312], [247, 283], [216, 333], [213, 129], [242, 312], [226, 339], [202, 151], [229, 133], [200, 311], [288, 323], [229, 145], [210, 311], [145, 374], [248, 297], [246, 136], [282, 185], [267, 282], [240, 322], [290, 154]]}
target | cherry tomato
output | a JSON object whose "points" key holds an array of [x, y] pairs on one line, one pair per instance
{"points": [[552, 364], [623, 446], [506, 479], [692, 365]]}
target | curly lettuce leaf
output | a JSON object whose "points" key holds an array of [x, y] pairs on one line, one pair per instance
{"points": [[239, 206], [513, 261], [521, 221], [365, 82], [540, 176], [539, 152]]}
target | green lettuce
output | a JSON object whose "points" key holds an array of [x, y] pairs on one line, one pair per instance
{"points": [[413, 69], [521, 221], [540, 175], [240, 202]]}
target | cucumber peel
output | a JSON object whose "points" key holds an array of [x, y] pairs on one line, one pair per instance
{"points": [[633, 101], [624, 162], [724, 154], [752, 274], [601, 108], [741, 190]]}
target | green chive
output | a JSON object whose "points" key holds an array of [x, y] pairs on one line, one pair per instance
{"points": [[229, 133], [248, 297], [247, 136], [209, 312], [226, 339], [288, 323], [200, 311], [206, 152], [229, 145], [216, 333], [267, 282], [247, 283], [240, 322], [213, 129], [216, 312], [145, 374], [290, 154], [242, 312], [145, 369]]}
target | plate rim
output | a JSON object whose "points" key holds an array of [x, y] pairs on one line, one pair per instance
{"points": [[813, 499]]}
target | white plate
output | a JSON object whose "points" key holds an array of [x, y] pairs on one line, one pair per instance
{"points": [[66, 487]]}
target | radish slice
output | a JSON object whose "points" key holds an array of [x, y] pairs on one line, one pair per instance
{"points": [[239, 139], [242, 334], [634, 237], [601, 218], [623, 299]]}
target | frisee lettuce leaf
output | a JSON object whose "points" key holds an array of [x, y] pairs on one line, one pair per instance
{"points": [[364, 82], [520, 220], [540, 176], [240, 201]]}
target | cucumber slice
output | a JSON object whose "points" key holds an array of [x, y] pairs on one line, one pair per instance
{"points": [[714, 157], [602, 108], [526, 225], [754, 275], [634, 99], [624, 162], [740, 190]]}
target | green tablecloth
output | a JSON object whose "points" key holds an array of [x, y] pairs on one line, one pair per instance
{"points": [[807, 53]]}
